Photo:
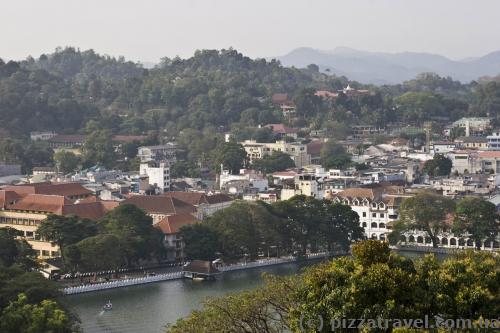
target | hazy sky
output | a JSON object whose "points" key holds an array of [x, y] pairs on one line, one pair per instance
{"points": [[147, 30]]}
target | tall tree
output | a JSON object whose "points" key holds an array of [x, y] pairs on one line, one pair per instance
{"points": [[98, 149], [440, 165], [66, 230], [426, 212], [334, 155], [66, 161], [201, 241], [477, 218], [278, 161], [134, 229], [230, 155]]}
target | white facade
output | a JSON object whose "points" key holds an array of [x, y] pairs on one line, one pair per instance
{"points": [[494, 141], [42, 136], [297, 151], [159, 176], [373, 215], [304, 184], [157, 153]]}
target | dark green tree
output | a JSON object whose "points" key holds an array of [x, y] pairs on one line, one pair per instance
{"points": [[334, 155], [66, 230], [278, 161], [201, 242], [231, 156], [476, 217], [438, 166], [426, 212], [66, 161]]}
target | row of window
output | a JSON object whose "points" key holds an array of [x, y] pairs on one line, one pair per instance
{"points": [[18, 221], [46, 253], [374, 225], [381, 215]]}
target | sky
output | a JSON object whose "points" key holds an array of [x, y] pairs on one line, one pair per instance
{"points": [[147, 30]]}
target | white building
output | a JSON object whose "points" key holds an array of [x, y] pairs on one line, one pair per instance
{"points": [[42, 136], [494, 140], [158, 174], [297, 151], [303, 184], [442, 147], [254, 179], [376, 207], [157, 153]]}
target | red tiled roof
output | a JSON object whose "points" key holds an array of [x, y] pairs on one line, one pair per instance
{"points": [[281, 129], [489, 154], [159, 204], [314, 148], [8, 197], [62, 138], [172, 224], [41, 203], [65, 189]]}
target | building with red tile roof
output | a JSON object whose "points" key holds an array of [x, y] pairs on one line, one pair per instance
{"points": [[205, 204], [71, 191], [159, 207], [25, 211]]}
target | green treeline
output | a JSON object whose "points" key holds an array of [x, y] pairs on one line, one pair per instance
{"points": [[372, 284], [283, 228]]}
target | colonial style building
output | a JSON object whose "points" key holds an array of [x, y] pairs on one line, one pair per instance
{"points": [[376, 207], [25, 207]]}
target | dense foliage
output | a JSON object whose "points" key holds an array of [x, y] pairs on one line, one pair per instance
{"points": [[195, 100], [28, 301], [373, 284], [123, 237], [286, 227]]}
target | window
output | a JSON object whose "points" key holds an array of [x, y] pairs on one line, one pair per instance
{"points": [[364, 214], [364, 224], [374, 225], [45, 253], [374, 214], [381, 215]]}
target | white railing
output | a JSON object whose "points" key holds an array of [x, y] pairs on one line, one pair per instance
{"points": [[179, 275], [121, 283]]}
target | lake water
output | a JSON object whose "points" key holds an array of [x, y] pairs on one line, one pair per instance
{"points": [[148, 308]]}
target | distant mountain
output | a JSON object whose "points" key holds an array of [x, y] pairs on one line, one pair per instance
{"points": [[382, 68]]}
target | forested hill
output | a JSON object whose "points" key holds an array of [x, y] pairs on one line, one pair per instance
{"points": [[72, 90]]}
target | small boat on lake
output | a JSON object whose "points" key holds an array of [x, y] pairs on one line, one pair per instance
{"points": [[108, 306]]}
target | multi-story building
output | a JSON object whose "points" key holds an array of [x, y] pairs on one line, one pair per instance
{"points": [[442, 147], [297, 151], [169, 214], [376, 207], [489, 161], [158, 153], [25, 207], [474, 142], [158, 174], [302, 184], [494, 140], [474, 126], [464, 161], [205, 204], [42, 136]]}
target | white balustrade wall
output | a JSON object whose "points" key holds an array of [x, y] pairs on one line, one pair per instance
{"points": [[179, 275]]}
